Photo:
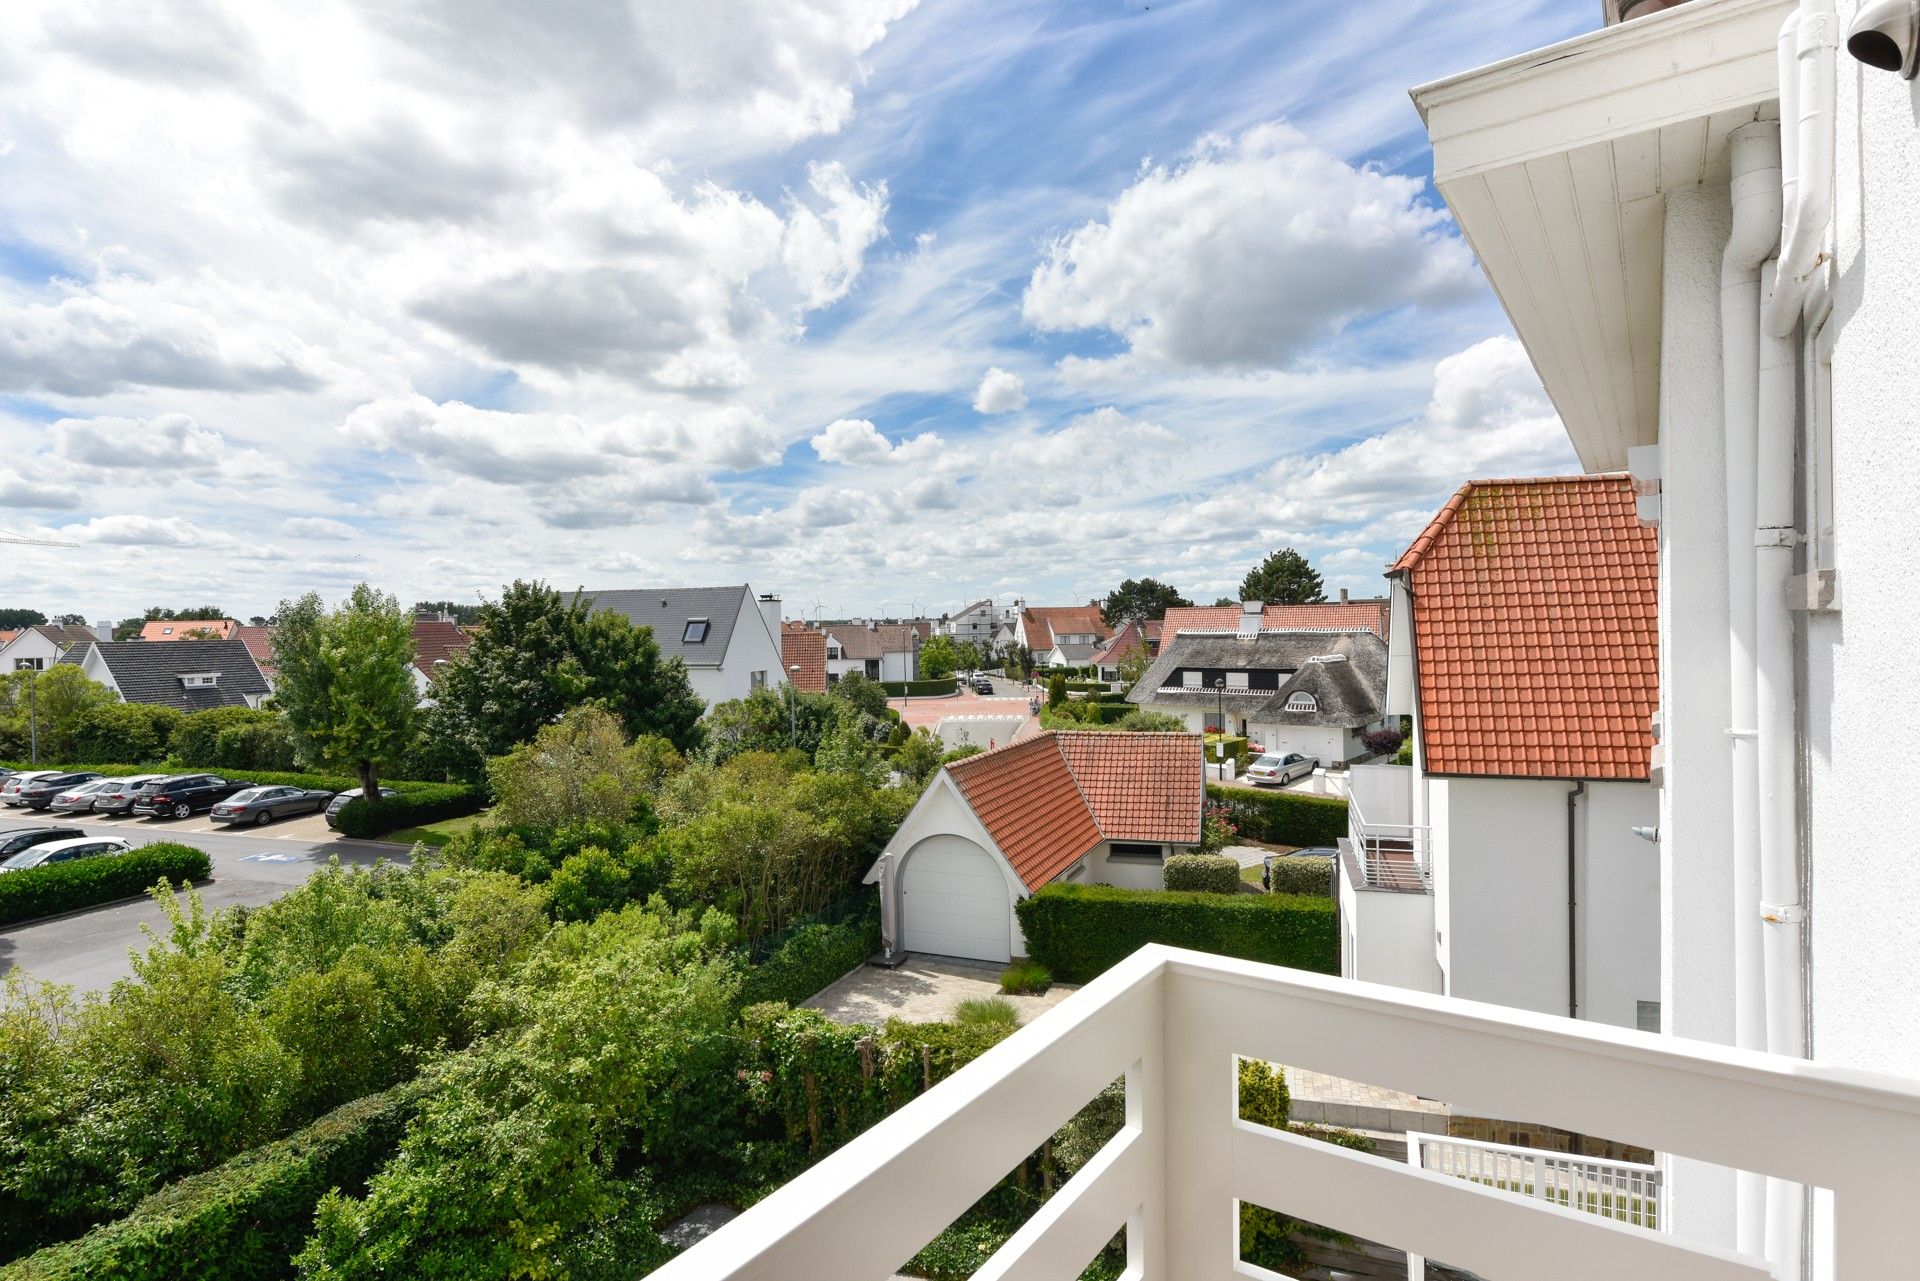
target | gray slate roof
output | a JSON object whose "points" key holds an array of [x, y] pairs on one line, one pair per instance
{"points": [[1076, 652], [667, 609], [150, 671], [1349, 694]]}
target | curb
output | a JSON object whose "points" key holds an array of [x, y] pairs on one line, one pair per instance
{"points": [[91, 907]]}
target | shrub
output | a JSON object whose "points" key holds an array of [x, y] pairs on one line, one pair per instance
{"points": [[415, 805], [589, 883], [238, 1221], [1025, 978], [1264, 1099], [251, 745], [986, 1011], [1056, 690], [1310, 876], [1203, 873], [919, 689], [1238, 749], [197, 737], [124, 732], [1283, 817], [1141, 721], [1382, 740], [67, 887], [580, 767], [810, 959], [1078, 931], [1405, 755]]}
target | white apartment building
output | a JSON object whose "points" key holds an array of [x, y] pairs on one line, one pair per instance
{"points": [[1704, 225]]}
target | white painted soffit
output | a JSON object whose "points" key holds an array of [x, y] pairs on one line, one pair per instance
{"points": [[1556, 164]]}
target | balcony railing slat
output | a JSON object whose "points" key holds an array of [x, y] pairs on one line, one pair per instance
{"points": [[1064, 1234], [1484, 1230]]}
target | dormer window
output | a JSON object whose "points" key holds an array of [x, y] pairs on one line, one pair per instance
{"points": [[695, 633], [1236, 680], [1190, 680], [199, 680], [1302, 702]]}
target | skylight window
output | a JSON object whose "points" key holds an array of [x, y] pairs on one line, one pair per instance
{"points": [[695, 633]]}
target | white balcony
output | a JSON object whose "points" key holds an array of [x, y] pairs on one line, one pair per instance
{"points": [[1173, 1021]]}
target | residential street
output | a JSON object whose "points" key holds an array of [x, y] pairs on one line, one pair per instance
{"points": [[256, 866]]}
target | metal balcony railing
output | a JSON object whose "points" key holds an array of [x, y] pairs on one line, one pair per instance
{"points": [[1622, 1190], [1172, 1022], [1389, 856]]}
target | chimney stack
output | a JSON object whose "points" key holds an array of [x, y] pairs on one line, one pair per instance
{"points": [[1343, 595]]}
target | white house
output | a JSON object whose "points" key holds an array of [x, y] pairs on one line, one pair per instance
{"points": [[1702, 224], [1315, 693], [880, 651], [1504, 864], [40, 646], [1061, 635], [729, 640], [192, 675], [979, 622], [1099, 807]]}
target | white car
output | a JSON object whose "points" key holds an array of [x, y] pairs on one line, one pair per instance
{"points": [[1274, 770], [10, 790], [65, 852]]}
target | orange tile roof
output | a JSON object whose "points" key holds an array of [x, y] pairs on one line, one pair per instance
{"points": [[1345, 616], [259, 643], [436, 641], [1536, 630], [166, 629], [1049, 800], [803, 647], [1042, 621]]}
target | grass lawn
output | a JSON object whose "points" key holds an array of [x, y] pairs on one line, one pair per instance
{"points": [[433, 833]]}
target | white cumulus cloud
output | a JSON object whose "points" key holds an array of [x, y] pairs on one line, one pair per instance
{"points": [[1000, 392], [855, 442]]}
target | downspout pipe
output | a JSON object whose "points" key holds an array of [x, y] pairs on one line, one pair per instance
{"points": [[1807, 99], [1756, 190], [1573, 898]]}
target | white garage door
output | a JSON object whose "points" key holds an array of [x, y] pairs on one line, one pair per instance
{"points": [[954, 902]]}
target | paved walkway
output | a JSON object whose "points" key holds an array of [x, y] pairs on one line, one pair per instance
{"points": [[1333, 1100], [923, 990]]}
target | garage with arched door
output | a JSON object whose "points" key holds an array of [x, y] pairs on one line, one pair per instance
{"points": [[955, 901]]}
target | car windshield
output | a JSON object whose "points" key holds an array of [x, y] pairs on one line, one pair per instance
{"points": [[250, 794], [26, 858]]}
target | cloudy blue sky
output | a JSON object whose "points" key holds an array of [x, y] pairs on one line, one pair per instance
{"points": [[879, 305]]}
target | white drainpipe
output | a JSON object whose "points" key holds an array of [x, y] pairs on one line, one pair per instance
{"points": [[1807, 110], [1756, 231]]}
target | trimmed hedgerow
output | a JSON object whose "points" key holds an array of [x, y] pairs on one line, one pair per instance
{"points": [[67, 887], [1202, 873], [1282, 817], [812, 958], [1078, 931], [920, 689], [1312, 876], [415, 805], [242, 1221]]}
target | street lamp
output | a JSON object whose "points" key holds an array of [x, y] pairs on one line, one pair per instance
{"points": [[793, 708], [1220, 702]]}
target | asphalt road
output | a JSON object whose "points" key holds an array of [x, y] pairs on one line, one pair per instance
{"points": [[254, 866]]}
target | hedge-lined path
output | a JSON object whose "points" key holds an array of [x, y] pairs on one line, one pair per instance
{"points": [[922, 990], [252, 867]]}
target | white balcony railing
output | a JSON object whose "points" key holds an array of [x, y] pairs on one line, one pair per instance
{"points": [[1172, 1022], [1389, 856], [1626, 1191]]}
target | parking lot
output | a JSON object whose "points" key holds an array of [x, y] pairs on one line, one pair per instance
{"points": [[252, 866]]}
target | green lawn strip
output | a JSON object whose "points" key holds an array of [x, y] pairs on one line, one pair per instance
{"points": [[433, 833]]}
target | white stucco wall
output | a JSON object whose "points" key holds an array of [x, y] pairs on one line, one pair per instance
{"points": [[1506, 883], [1327, 745], [1133, 874], [942, 816], [28, 645], [753, 647]]}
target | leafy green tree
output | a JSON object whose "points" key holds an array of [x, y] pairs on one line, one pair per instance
{"points": [[1138, 599], [464, 613], [589, 883], [919, 756], [345, 682], [129, 628], [534, 656], [1020, 659], [939, 658], [49, 708], [771, 720], [580, 769], [1220, 601], [846, 750], [1284, 578], [69, 620], [862, 693], [1056, 690], [124, 733], [14, 619]]}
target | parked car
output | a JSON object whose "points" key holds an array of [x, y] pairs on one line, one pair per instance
{"points": [[1317, 851], [118, 797], [65, 852], [182, 794], [261, 805], [983, 684], [22, 838], [79, 798], [1273, 770], [10, 790], [340, 799], [38, 793]]}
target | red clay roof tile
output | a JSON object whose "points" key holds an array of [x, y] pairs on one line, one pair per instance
{"points": [[803, 647]]}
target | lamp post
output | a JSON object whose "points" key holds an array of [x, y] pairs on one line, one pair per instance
{"points": [[793, 708], [1220, 710]]}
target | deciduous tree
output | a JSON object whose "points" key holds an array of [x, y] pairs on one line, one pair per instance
{"points": [[1284, 578], [1137, 599], [345, 682]]}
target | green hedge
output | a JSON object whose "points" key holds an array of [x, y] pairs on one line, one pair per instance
{"points": [[1313, 876], [1088, 687], [1078, 931], [242, 1221], [1281, 817], [68, 887], [813, 957], [1202, 873], [416, 804], [1238, 747], [920, 689]]}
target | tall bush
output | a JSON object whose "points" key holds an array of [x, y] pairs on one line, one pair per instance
{"points": [[1079, 931], [1283, 817], [1204, 873], [67, 887], [124, 732], [196, 736]]}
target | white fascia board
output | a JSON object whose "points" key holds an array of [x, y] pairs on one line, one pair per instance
{"points": [[1668, 68]]}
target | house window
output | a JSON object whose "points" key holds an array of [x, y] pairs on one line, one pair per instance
{"points": [[1302, 703], [195, 680], [29, 664], [1136, 851], [695, 632], [1190, 679], [1236, 680], [757, 680]]}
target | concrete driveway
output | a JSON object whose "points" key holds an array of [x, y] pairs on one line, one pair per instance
{"points": [[923, 990], [252, 866]]}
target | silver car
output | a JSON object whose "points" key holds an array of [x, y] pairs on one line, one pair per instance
{"points": [[1273, 769], [261, 805], [65, 852], [119, 798], [10, 790], [80, 798]]}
